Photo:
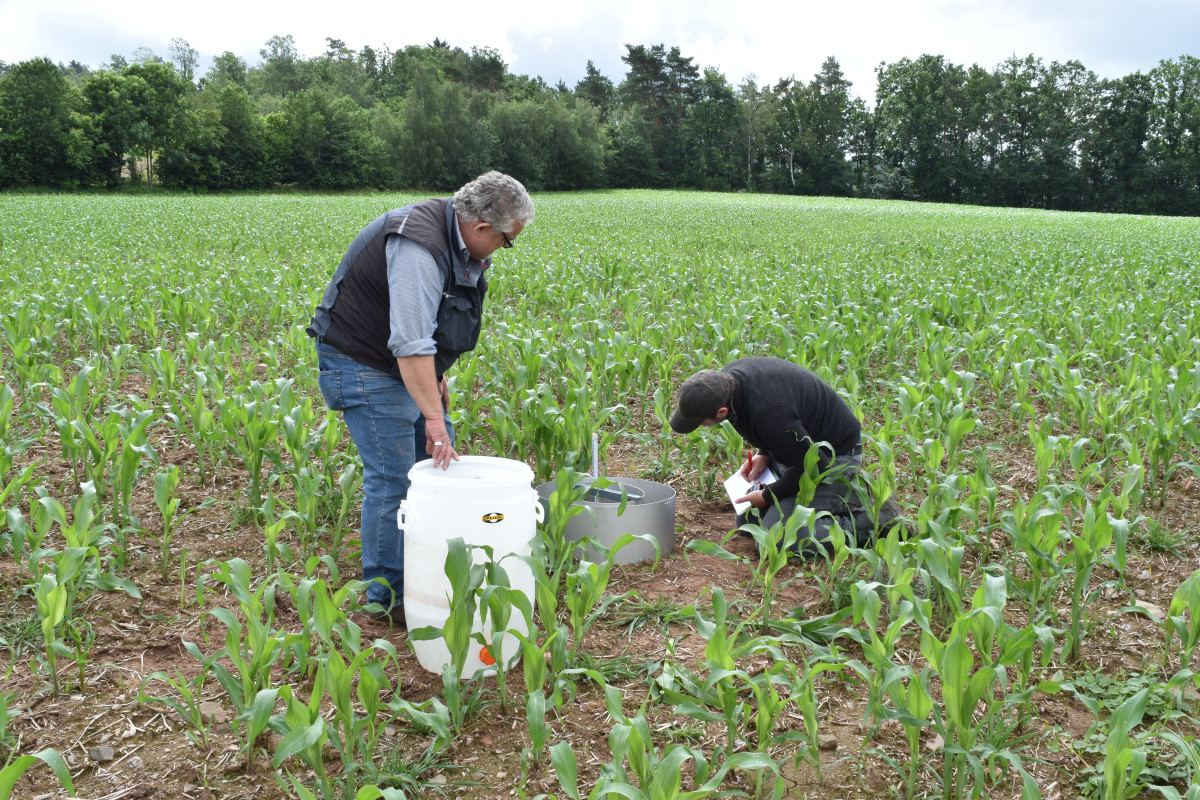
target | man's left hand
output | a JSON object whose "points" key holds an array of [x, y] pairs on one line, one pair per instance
{"points": [[755, 499]]}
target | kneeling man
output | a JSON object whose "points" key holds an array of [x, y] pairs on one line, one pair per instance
{"points": [[783, 410]]}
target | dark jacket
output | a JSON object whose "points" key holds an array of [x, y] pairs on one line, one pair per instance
{"points": [[354, 313], [782, 410]]}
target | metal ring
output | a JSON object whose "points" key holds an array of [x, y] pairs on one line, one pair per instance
{"points": [[437, 444]]}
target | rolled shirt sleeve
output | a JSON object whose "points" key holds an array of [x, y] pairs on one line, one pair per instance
{"points": [[415, 289]]}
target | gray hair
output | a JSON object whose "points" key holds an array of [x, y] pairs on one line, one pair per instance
{"points": [[497, 199]]}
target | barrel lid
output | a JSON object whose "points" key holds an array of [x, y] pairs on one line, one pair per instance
{"points": [[473, 472]]}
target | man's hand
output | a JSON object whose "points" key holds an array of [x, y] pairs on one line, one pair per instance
{"points": [[430, 395], [755, 499], [438, 444], [750, 471]]}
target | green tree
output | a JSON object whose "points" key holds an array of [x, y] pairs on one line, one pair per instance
{"points": [[1114, 151], [332, 146], [597, 90], [43, 141], [161, 110], [919, 117], [830, 125], [280, 69], [548, 144], [663, 84], [1070, 106], [484, 70], [631, 161], [113, 103], [191, 156], [184, 58], [863, 150], [1020, 127], [436, 141], [370, 61], [1174, 144], [757, 127], [242, 152], [226, 69], [814, 126], [341, 73], [711, 135]]}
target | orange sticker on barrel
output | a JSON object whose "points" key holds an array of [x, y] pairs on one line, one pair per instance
{"points": [[493, 517], [485, 655]]}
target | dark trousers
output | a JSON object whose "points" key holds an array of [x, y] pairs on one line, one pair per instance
{"points": [[836, 499]]}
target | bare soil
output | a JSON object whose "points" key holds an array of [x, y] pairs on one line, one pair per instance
{"points": [[153, 757]]}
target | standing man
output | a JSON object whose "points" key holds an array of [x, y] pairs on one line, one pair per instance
{"points": [[405, 302], [783, 410]]}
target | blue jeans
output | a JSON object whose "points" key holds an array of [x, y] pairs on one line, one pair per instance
{"points": [[389, 432]]}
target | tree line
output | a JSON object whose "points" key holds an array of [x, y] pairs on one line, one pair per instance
{"points": [[1024, 133]]}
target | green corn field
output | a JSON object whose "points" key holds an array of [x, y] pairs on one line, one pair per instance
{"points": [[179, 603]]}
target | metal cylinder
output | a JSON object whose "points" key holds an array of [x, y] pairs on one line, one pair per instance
{"points": [[652, 515]]}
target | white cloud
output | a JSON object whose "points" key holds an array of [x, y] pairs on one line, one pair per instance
{"points": [[769, 38]]}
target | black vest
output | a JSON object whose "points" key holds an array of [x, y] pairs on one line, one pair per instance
{"points": [[359, 320]]}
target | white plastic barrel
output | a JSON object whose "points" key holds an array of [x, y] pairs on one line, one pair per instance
{"points": [[483, 501]]}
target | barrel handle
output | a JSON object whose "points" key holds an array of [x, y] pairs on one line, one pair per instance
{"points": [[539, 511], [400, 516]]}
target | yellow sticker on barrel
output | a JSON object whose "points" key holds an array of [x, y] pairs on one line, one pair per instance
{"points": [[493, 517]]}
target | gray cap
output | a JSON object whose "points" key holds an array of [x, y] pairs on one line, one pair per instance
{"points": [[699, 399]]}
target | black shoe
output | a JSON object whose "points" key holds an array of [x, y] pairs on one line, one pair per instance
{"points": [[890, 516], [393, 618]]}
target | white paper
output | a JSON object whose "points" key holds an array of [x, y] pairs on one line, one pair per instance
{"points": [[736, 486]]}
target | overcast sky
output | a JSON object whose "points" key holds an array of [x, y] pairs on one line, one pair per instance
{"points": [[769, 39]]}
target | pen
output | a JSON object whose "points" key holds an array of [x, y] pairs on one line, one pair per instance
{"points": [[749, 463]]}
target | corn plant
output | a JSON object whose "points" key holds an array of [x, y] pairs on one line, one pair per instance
{"points": [[1123, 761], [81, 637], [880, 648], [13, 771], [350, 685], [52, 608], [75, 402], [465, 579], [1097, 532], [304, 732], [1038, 531], [942, 558], [429, 718], [775, 546], [585, 594], [201, 428], [551, 547], [254, 650], [252, 428], [130, 459], [165, 484], [461, 699], [187, 706], [348, 483], [639, 770], [1183, 619], [912, 704], [963, 687]]}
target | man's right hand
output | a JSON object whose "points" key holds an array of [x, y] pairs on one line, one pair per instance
{"points": [[430, 395], [438, 444], [751, 471]]}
